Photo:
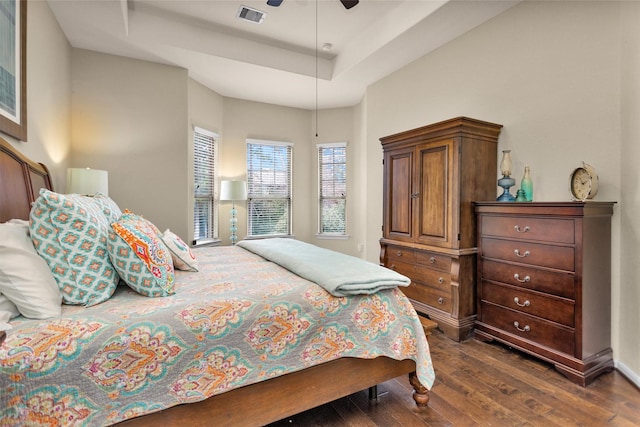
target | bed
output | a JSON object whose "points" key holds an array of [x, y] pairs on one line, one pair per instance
{"points": [[192, 379]]}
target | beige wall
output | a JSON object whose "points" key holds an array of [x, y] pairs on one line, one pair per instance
{"points": [[205, 111], [626, 315], [246, 119], [48, 93], [562, 77], [130, 118], [339, 125], [554, 74]]}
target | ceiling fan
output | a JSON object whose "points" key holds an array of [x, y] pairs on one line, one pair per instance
{"points": [[348, 4]]}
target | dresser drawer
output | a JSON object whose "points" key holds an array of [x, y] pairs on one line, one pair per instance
{"points": [[432, 297], [556, 283], [559, 257], [400, 254], [555, 309], [531, 328], [529, 228], [434, 260]]}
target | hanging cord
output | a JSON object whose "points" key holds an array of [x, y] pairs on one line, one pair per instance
{"points": [[316, 50]]}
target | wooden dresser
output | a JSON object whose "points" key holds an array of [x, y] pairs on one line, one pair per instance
{"points": [[544, 286], [431, 177]]}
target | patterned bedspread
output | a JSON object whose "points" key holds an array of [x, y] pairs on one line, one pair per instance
{"points": [[238, 321]]}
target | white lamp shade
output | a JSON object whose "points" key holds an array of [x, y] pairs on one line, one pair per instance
{"points": [[87, 181], [233, 190]]}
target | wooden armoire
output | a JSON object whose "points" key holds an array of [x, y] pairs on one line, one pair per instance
{"points": [[432, 175]]}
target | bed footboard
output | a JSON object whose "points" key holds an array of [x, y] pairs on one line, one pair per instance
{"points": [[271, 400]]}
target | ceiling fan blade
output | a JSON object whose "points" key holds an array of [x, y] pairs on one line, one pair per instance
{"points": [[274, 3], [348, 4]]}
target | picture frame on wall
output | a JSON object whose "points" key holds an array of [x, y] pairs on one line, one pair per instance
{"points": [[13, 68]]}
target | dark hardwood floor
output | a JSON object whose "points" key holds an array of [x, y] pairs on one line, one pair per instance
{"points": [[481, 384]]}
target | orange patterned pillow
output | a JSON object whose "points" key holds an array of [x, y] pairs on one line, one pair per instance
{"points": [[140, 257]]}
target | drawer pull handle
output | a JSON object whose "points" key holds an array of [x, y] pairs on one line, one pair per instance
{"points": [[518, 254], [392, 267], [526, 303], [517, 277], [414, 195], [522, 230], [441, 280], [399, 253], [440, 300], [432, 260], [526, 328]]}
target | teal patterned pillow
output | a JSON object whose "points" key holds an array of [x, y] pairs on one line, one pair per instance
{"points": [[110, 209], [70, 233], [140, 257]]}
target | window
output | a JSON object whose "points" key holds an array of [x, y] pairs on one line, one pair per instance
{"points": [[205, 179], [332, 179], [268, 188]]}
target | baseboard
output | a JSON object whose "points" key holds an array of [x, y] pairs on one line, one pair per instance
{"points": [[628, 373]]}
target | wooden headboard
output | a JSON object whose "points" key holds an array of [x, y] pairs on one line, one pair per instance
{"points": [[20, 182]]}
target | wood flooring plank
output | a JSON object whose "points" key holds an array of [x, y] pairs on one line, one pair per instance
{"points": [[354, 416], [482, 384], [554, 388], [388, 411]]}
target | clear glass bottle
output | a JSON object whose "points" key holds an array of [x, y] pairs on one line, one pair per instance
{"points": [[527, 184]]}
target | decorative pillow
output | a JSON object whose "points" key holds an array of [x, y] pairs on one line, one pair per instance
{"points": [[25, 279], [8, 311], [110, 209], [70, 232], [140, 257], [183, 258]]}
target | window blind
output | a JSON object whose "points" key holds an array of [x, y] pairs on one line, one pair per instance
{"points": [[332, 168], [205, 209], [269, 188]]}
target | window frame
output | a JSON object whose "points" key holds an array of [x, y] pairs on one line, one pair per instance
{"points": [[212, 197], [251, 195], [328, 234]]}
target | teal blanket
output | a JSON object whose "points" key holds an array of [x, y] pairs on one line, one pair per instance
{"points": [[339, 274]]}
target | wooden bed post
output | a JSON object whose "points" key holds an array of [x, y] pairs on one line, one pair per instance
{"points": [[421, 394]]}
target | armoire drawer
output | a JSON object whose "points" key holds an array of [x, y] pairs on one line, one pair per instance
{"points": [[428, 295], [402, 268], [434, 278], [528, 228], [557, 310], [556, 283], [434, 260], [558, 257], [532, 328], [400, 254]]}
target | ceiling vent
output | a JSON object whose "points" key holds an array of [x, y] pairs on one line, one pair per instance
{"points": [[252, 15]]}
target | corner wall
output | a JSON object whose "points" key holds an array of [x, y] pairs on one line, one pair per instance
{"points": [[130, 118], [557, 75], [48, 93]]}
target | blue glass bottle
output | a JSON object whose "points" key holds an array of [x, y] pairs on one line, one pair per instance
{"points": [[527, 184]]}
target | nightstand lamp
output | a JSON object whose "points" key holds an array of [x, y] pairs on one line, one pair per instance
{"points": [[233, 190], [87, 181]]}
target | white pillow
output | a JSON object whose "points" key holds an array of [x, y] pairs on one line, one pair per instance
{"points": [[8, 311], [183, 258], [25, 278]]}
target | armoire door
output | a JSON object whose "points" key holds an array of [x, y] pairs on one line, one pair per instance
{"points": [[399, 197], [434, 185]]}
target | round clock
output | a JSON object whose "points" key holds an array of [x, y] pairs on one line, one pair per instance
{"points": [[583, 182]]}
